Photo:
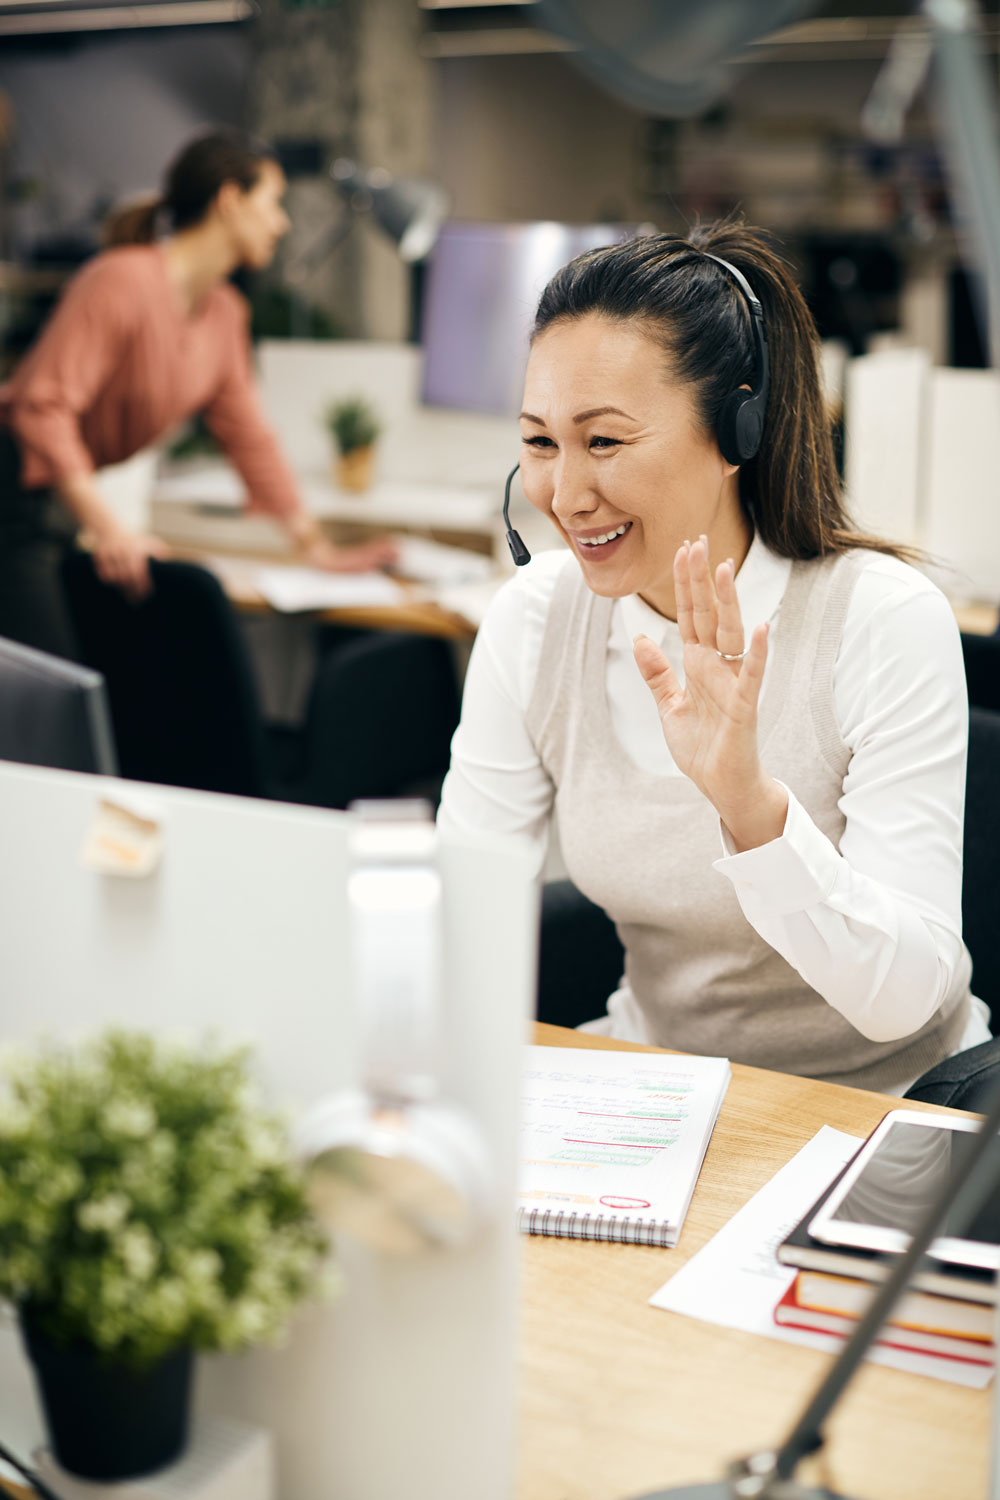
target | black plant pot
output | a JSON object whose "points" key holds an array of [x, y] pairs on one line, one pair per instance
{"points": [[106, 1420]]}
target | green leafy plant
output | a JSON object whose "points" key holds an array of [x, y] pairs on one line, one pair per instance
{"points": [[352, 424], [147, 1203]]}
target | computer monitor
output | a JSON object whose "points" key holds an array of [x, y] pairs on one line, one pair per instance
{"points": [[482, 287], [53, 712]]}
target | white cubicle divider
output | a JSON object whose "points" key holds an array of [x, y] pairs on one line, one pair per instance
{"points": [[127, 488], [962, 487], [405, 1385], [301, 378], [885, 414]]}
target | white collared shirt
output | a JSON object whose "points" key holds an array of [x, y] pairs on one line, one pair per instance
{"points": [[863, 925]]}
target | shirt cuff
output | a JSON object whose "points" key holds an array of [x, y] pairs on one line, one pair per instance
{"points": [[789, 874]]}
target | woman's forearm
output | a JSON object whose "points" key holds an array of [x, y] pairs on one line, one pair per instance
{"points": [[82, 498]]}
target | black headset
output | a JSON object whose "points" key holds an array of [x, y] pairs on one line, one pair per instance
{"points": [[740, 424]]}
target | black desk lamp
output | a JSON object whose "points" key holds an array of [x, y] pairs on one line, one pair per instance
{"points": [[770, 1475], [407, 209]]}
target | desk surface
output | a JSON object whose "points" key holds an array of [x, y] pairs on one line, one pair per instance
{"points": [[619, 1398], [416, 614]]}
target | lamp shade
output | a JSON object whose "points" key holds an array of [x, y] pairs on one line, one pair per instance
{"points": [[409, 210], [664, 56]]}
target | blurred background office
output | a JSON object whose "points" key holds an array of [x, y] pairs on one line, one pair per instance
{"points": [[442, 160]]}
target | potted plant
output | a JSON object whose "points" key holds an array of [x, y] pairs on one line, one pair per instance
{"points": [[354, 427], [148, 1209]]}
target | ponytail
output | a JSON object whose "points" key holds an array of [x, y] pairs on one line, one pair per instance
{"points": [[132, 223], [790, 490]]}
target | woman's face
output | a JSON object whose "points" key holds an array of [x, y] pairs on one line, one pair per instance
{"points": [[256, 217], [612, 447]]}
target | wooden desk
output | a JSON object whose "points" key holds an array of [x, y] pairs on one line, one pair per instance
{"points": [[417, 614], [977, 619], [619, 1398]]}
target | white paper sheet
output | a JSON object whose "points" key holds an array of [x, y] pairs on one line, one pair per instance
{"points": [[735, 1280], [433, 562], [470, 600], [294, 589], [213, 484]]}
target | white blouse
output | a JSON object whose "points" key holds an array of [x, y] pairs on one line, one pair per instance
{"points": [[863, 925]]}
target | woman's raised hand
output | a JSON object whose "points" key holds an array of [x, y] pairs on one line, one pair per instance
{"points": [[710, 724]]}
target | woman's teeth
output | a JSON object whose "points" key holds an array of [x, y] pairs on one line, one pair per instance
{"points": [[609, 536]]}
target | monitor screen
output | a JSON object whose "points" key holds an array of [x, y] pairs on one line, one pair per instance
{"points": [[483, 285], [53, 712]]}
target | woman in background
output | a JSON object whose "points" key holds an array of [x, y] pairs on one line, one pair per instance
{"points": [[148, 333], [749, 718]]}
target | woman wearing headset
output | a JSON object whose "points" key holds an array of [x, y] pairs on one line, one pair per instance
{"points": [[749, 718], [146, 334]]}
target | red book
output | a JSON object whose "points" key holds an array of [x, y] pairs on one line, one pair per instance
{"points": [[789, 1313]]}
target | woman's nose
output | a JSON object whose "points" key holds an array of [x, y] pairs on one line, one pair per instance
{"points": [[572, 493]]}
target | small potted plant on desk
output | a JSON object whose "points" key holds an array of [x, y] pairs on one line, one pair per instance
{"points": [[148, 1209], [354, 427]]}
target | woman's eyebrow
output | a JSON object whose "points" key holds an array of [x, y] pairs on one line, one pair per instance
{"points": [[602, 411], [583, 416]]}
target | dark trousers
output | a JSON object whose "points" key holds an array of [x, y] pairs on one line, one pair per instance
{"points": [[36, 531]]}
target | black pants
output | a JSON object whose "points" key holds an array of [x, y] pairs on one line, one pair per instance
{"points": [[36, 531]]}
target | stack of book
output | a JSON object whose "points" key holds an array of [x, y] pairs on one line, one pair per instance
{"points": [[949, 1309]]}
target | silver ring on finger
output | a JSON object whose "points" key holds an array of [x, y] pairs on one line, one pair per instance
{"points": [[731, 655]]}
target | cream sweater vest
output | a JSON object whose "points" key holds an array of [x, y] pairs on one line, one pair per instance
{"points": [[642, 846]]}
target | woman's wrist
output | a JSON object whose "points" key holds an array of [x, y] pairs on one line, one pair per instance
{"points": [[304, 530], [757, 818]]}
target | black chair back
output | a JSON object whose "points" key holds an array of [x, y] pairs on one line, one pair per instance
{"points": [[969, 1079], [981, 879], [580, 957], [982, 670], [382, 711], [180, 682]]}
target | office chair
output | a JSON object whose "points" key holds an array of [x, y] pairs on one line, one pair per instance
{"points": [[580, 957], [966, 1080], [183, 699], [186, 710], [53, 712], [981, 654]]}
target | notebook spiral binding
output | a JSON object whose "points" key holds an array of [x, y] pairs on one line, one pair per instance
{"points": [[614, 1228]]}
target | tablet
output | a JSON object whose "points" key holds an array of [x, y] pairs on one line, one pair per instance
{"points": [[898, 1173]]}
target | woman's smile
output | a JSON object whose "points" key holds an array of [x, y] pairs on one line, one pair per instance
{"points": [[598, 546]]}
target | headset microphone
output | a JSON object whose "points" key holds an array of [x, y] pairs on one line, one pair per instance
{"points": [[518, 550]]}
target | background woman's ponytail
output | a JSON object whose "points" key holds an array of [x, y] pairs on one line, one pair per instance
{"points": [[133, 222], [694, 308]]}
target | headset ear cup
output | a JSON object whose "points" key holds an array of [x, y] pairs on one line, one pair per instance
{"points": [[726, 426], [739, 427]]}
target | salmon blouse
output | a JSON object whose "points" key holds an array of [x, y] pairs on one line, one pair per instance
{"points": [[120, 363]]}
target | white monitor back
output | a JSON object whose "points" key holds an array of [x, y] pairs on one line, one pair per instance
{"points": [[404, 1385], [885, 432]]}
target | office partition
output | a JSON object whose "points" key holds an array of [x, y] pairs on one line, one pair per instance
{"points": [[404, 1385]]}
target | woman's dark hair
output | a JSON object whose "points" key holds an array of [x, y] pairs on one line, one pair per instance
{"points": [[191, 182], [694, 308]]}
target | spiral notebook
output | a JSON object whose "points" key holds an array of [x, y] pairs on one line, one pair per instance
{"points": [[612, 1142]]}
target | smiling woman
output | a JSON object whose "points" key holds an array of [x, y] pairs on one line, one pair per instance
{"points": [[748, 717]]}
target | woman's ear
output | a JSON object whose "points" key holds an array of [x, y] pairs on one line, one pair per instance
{"points": [[227, 200]]}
